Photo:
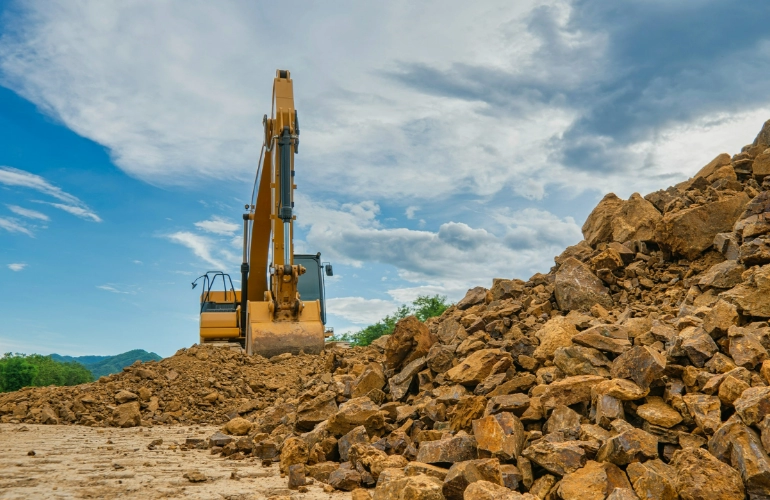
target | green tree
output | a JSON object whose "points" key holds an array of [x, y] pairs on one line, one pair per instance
{"points": [[16, 372], [19, 370], [423, 307]]}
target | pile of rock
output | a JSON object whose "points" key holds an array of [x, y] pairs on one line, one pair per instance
{"points": [[638, 367], [198, 385]]}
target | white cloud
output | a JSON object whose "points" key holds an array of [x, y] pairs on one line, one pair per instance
{"points": [[19, 178], [26, 212], [14, 177], [202, 246], [359, 310], [455, 257], [17, 266], [13, 226], [410, 211], [83, 213], [218, 225], [113, 288], [137, 262]]}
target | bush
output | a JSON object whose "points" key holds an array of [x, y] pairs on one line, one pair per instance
{"points": [[19, 370], [423, 307]]}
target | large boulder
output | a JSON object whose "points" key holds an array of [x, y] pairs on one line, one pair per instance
{"points": [[577, 288], [690, 231], [598, 226], [478, 366], [127, 415], [753, 295], [700, 476], [636, 220], [594, 481], [555, 333], [411, 339], [358, 411]]}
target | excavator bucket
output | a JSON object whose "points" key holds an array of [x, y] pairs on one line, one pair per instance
{"points": [[269, 338]]}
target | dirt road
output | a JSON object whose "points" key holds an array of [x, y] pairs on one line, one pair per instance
{"points": [[86, 462]]}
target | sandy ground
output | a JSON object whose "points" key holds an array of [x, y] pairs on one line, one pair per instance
{"points": [[86, 462]]}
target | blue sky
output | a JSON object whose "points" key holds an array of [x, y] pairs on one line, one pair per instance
{"points": [[443, 144]]}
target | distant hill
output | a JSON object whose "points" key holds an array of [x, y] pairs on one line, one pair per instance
{"points": [[105, 365]]}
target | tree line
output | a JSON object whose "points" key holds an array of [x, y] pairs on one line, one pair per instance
{"points": [[34, 370]]}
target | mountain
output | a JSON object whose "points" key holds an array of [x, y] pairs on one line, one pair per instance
{"points": [[105, 365]]}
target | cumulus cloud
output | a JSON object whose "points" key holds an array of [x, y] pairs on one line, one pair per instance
{"points": [[17, 266], [453, 257], [26, 212], [13, 226], [218, 225], [359, 310]]}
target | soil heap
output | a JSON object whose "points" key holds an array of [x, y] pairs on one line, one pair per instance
{"points": [[638, 367]]}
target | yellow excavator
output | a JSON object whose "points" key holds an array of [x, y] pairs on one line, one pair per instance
{"points": [[281, 305]]}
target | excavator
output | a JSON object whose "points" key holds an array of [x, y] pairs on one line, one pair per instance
{"points": [[280, 307]]}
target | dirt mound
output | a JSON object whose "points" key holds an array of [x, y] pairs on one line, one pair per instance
{"points": [[637, 367], [201, 384]]}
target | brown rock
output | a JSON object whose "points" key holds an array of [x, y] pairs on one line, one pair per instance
{"points": [[559, 458], [697, 345], [315, 410], [419, 487], [740, 446], [478, 366], [657, 412], [345, 479], [608, 338], [653, 480], [321, 471], [594, 481], [720, 318], [761, 165], [712, 166], [753, 405], [296, 476], [726, 274], [514, 403], [565, 420], [356, 435], [690, 231], [556, 332], [619, 388], [411, 339], [462, 474], [238, 426], [569, 391], [577, 288], [294, 451], [124, 396], [752, 296], [440, 357], [127, 415], [579, 360], [360, 494], [700, 476], [633, 445], [474, 296], [756, 251], [642, 364], [415, 468], [706, 410], [636, 220], [372, 378], [358, 411], [447, 451], [502, 435], [485, 490], [598, 226], [195, 476], [467, 410]]}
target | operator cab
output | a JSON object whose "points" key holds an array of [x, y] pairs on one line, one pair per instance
{"points": [[311, 285]]}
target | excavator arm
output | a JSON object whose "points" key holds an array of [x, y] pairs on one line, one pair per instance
{"points": [[268, 316]]}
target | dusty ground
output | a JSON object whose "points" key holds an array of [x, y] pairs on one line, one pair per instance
{"points": [[86, 462]]}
